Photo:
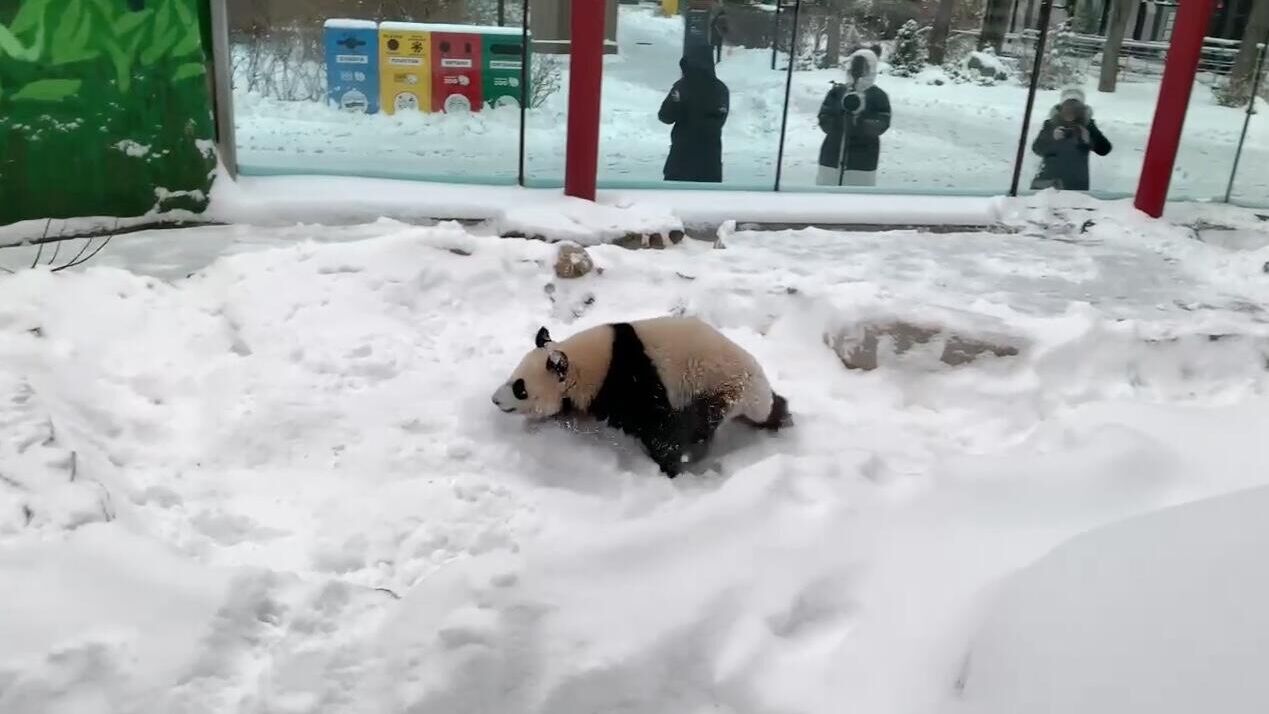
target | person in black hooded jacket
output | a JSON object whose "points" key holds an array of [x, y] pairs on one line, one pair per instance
{"points": [[1065, 141], [697, 107]]}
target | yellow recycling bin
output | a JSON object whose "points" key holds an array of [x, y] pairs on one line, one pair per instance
{"points": [[405, 67]]}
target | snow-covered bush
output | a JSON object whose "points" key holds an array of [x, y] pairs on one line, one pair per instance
{"points": [[545, 78], [910, 51], [283, 63], [1062, 66], [982, 67], [987, 64]]}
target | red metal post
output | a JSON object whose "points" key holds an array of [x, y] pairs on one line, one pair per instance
{"points": [[586, 72], [1174, 98]]}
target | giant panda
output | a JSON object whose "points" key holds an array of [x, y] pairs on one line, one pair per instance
{"points": [[668, 381]]}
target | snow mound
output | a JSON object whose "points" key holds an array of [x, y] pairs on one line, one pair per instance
{"points": [[936, 76], [1163, 614], [100, 621], [587, 223]]}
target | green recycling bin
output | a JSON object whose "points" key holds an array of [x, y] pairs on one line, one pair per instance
{"points": [[501, 50]]}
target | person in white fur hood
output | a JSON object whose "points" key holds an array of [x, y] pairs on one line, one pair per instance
{"points": [[1065, 140], [853, 116]]}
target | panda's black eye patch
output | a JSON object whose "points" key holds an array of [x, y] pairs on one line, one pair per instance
{"points": [[517, 388]]}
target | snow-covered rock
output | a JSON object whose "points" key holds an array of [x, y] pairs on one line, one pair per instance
{"points": [[572, 261], [587, 223]]}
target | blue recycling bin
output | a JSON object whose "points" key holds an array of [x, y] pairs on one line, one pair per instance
{"points": [[352, 64]]}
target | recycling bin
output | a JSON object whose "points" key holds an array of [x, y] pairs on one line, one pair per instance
{"points": [[352, 64], [502, 55], [405, 67], [456, 69]]}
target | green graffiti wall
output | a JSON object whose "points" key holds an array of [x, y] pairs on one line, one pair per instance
{"points": [[105, 108]]}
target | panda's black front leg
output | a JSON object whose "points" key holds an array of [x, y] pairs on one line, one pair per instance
{"points": [[666, 451]]}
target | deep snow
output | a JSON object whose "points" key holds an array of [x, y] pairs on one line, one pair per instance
{"points": [[216, 488], [1162, 613], [959, 138]]}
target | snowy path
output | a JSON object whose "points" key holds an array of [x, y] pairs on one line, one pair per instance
{"points": [[258, 460], [944, 139]]}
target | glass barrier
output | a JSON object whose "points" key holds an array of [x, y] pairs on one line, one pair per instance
{"points": [[1096, 106], [546, 116], [693, 97], [1247, 85], [895, 97], [426, 91]]}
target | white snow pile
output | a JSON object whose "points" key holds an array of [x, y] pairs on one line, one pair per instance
{"points": [[584, 222], [279, 485], [1163, 613]]}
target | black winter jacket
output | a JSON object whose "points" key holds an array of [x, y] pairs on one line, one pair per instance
{"points": [[862, 131], [1066, 160], [697, 107]]}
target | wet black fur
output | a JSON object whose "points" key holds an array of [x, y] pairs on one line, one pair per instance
{"points": [[633, 398]]}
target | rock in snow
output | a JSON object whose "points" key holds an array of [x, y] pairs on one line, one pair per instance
{"points": [[572, 261]]}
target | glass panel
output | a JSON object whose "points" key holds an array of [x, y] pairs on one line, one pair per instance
{"points": [[893, 96], [410, 90], [692, 97], [1120, 101], [1082, 138], [1251, 183], [546, 117]]}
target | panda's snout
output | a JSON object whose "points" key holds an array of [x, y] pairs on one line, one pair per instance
{"points": [[498, 401]]}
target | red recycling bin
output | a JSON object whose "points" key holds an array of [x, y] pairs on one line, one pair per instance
{"points": [[456, 72]]}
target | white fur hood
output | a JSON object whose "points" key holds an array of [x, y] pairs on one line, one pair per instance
{"points": [[870, 76], [1056, 112]]}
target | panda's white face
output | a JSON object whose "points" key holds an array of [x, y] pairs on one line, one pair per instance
{"points": [[536, 387]]}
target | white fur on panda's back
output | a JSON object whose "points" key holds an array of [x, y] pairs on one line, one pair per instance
{"points": [[694, 359]]}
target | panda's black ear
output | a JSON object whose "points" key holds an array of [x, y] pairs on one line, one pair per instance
{"points": [[557, 364], [542, 338]]}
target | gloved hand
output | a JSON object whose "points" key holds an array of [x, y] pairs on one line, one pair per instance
{"points": [[1059, 133], [1084, 136], [852, 103]]}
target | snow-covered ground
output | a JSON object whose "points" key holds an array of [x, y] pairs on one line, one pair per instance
{"points": [[278, 485], [952, 138]]}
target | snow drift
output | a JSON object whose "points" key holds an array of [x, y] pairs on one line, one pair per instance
{"points": [[1163, 613]]}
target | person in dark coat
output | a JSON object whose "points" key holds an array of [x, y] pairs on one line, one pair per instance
{"points": [[853, 117], [697, 107], [1065, 140], [718, 29]]}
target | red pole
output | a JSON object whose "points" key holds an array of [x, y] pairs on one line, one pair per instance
{"points": [[586, 72], [1188, 31]]}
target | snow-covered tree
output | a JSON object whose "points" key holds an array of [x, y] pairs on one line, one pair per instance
{"points": [[908, 58], [1062, 66]]}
